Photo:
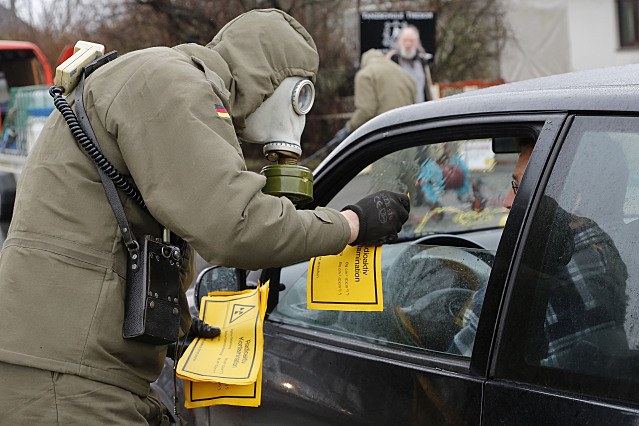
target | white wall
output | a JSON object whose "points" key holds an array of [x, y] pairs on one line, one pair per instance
{"points": [[539, 43], [556, 36], [594, 35]]}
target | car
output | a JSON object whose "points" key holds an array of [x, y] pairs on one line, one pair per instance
{"points": [[422, 360]]}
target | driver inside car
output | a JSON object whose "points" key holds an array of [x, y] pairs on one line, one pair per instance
{"points": [[585, 269]]}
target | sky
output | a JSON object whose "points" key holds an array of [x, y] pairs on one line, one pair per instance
{"points": [[30, 11]]}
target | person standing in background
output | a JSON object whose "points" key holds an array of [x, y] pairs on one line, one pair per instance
{"points": [[412, 57], [380, 85]]}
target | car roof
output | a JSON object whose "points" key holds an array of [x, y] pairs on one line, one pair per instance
{"points": [[612, 89], [15, 45]]}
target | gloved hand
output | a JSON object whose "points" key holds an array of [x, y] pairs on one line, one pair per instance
{"points": [[201, 329], [381, 216], [339, 136]]}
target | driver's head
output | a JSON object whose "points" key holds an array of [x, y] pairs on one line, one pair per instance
{"points": [[518, 173], [408, 42]]}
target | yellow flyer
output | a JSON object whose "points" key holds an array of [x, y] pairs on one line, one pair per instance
{"points": [[349, 281], [235, 357], [203, 394]]}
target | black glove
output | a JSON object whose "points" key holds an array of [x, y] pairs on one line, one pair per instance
{"points": [[201, 329], [339, 136], [381, 216]]}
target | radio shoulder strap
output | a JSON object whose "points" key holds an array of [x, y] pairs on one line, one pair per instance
{"points": [[109, 187]]}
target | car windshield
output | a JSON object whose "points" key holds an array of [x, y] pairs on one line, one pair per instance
{"points": [[454, 187]]}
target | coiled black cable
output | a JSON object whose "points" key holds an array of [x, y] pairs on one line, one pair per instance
{"points": [[94, 152]]}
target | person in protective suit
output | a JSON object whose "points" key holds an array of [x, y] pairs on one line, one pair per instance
{"points": [[380, 85], [170, 119]]}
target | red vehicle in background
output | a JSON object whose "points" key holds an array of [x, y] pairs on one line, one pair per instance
{"points": [[22, 63], [25, 77], [66, 53]]}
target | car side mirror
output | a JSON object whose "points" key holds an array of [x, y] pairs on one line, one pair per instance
{"points": [[218, 278]]}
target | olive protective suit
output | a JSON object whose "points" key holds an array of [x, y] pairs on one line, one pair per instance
{"points": [[155, 113], [380, 85]]}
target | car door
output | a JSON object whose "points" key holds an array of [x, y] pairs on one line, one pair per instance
{"points": [[567, 347], [403, 365]]}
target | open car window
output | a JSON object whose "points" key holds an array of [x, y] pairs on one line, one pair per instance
{"points": [[456, 186], [444, 257]]}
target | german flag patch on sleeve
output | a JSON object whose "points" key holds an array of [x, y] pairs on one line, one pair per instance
{"points": [[221, 111]]}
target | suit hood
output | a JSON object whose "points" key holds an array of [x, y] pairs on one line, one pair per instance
{"points": [[263, 47]]}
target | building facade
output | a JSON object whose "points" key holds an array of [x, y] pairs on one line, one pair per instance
{"points": [[556, 36]]}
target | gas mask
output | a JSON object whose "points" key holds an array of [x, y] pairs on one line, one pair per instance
{"points": [[278, 124]]}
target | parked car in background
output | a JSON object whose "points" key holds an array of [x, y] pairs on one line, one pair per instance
{"points": [[556, 339], [25, 78]]}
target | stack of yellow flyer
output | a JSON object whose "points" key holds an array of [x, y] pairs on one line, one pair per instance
{"points": [[228, 368], [349, 281]]}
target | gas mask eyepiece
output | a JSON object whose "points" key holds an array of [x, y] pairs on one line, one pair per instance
{"points": [[303, 97]]}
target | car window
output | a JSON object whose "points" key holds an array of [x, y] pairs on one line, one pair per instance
{"points": [[426, 290], [455, 186], [430, 279], [573, 321]]}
